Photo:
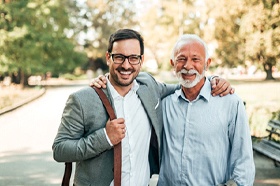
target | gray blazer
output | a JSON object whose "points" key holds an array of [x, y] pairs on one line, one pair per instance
{"points": [[81, 136]]}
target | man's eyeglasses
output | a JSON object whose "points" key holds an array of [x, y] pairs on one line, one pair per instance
{"points": [[132, 59]]}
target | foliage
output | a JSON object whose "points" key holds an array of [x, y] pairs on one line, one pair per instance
{"points": [[248, 32], [96, 20], [38, 36], [161, 25], [69, 76], [227, 25], [276, 115], [34, 38]]}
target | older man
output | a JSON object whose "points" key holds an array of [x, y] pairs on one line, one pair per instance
{"points": [[206, 140]]}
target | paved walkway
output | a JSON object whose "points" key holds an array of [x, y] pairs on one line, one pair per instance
{"points": [[26, 137]]}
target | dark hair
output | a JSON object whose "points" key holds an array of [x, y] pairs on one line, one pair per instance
{"points": [[125, 34]]}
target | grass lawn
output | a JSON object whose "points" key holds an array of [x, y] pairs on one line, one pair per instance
{"points": [[262, 98], [10, 95]]}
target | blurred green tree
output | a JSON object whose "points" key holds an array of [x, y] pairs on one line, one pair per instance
{"points": [[227, 26], [34, 39], [248, 31], [94, 21], [161, 24], [261, 30]]}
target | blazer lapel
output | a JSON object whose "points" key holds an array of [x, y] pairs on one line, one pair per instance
{"points": [[149, 103]]}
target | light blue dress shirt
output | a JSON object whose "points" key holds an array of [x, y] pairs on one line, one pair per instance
{"points": [[206, 141]]}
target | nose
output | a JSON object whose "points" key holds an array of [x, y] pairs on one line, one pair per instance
{"points": [[188, 64], [126, 63]]}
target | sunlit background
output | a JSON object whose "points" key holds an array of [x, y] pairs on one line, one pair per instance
{"points": [[43, 39], [47, 43]]}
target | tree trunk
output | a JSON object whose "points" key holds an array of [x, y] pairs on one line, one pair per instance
{"points": [[23, 79], [268, 70]]}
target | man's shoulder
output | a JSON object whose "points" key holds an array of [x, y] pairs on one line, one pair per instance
{"points": [[84, 92], [87, 97], [145, 78], [229, 99], [142, 75]]}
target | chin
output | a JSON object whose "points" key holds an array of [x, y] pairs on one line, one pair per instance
{"points": [[126, 82]]}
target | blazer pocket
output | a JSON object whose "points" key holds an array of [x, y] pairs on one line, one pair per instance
{"points": [[157, 104]]}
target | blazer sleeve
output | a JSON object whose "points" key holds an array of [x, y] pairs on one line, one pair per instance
{"points": [[76, 139]]}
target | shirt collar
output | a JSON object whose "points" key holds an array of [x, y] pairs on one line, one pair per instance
{"points": [[115, 94], [204, 93]]}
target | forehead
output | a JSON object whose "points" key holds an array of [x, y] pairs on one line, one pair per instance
{"points": [[126, 47], [190, 48]]}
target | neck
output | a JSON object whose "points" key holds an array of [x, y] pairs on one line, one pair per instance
{"points": [[122, 90], [192, 93]]}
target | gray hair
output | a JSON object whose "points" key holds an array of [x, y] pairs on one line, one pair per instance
{"points": [[184, 39]]}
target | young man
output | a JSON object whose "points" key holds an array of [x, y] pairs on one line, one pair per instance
{"points": [[206, 140], [85, 135]]}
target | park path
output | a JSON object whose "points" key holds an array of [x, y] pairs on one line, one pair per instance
{"points": [[26, 137]]}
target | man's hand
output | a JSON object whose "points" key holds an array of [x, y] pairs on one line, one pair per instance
{"points": [[99, 82], [221, 87], [115, 130]]}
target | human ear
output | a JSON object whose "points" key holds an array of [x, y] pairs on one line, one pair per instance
{"points": [[209, 60], [172, 62], [107, 55]]}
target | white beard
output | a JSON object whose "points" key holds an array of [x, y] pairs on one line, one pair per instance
{"points": [[188, 83]]}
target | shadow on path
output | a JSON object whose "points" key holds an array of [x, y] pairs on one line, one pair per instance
{"points": [[21, 168], [266, 172]]}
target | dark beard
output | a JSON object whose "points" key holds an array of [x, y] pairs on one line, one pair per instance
{"points": [[116, 79]]}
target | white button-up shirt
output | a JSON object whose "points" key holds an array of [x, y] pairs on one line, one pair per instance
{"points": [[135, 145]]}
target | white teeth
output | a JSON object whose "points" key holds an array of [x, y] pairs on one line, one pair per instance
{"points": [[125, 72]]}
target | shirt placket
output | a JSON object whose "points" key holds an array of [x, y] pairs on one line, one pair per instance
{"points": [[129, 140], [186, 164], [125, 141]]}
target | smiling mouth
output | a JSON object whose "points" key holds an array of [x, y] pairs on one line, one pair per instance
{"points": [[187, 75], [125, 72]]}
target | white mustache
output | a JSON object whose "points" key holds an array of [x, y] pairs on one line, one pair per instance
{"points": [[188, 72]]}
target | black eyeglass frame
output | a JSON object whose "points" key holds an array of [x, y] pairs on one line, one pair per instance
{"points": [[126, 57]]}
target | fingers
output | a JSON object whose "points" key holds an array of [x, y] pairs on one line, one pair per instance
{"points": [[99, 82], [225, 92], [123, 130], [95, 83], [222, 87], [214, 81], [232, 90], [116, 130], [102, 78]]}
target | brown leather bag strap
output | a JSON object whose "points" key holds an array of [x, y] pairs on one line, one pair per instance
{"points": [[118, 147], [118, 164], [67, 174], [106, 103]]}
